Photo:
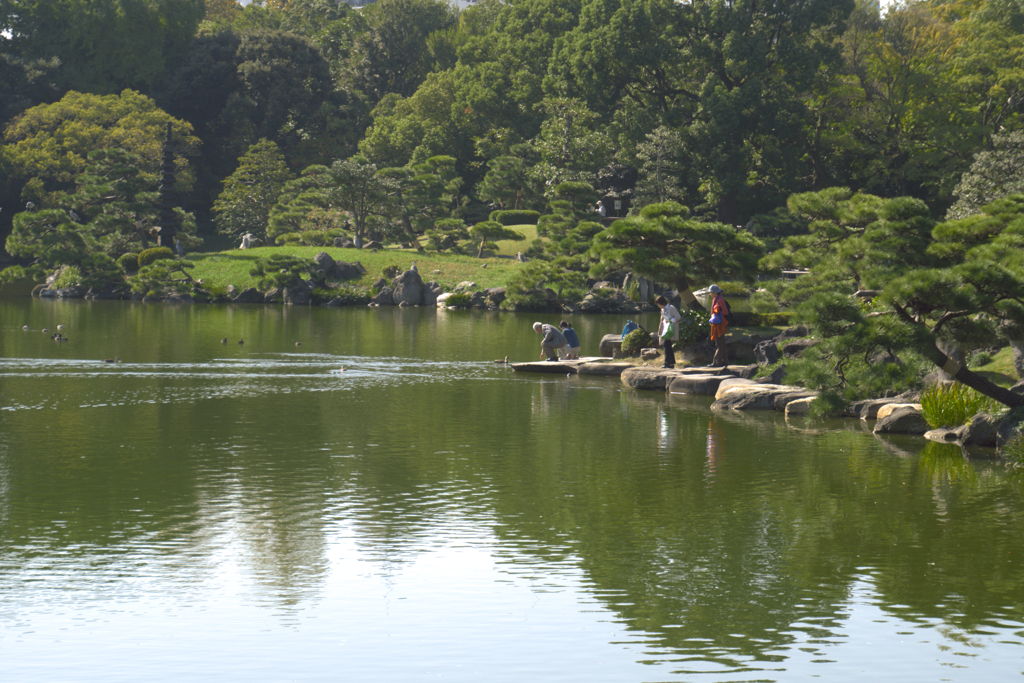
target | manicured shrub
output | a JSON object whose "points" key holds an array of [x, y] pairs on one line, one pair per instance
{"points": [[636, 340], [155, 254], [129, 262], [516, 217]]}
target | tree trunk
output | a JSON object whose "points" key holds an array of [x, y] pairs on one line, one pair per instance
{"points": [[974, 381], [728, 209], [686, 296], [928, 347], [480, 253], [410, 233]]}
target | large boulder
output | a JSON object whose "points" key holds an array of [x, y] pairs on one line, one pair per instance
{"points": [[699, 353], [1010, 427], [868, 409], [610, 343], [431, 292], [731, 383], [249, 295], [344, 243], [784, 398], [799, 406], [766, 353], [408, 289], [980, 431], [895, 405], [324, 264], [795, 348], [385, 297], [495, 295], [794, 332], [904, 420], [605, 369], [299, 295], [777, 376], [347, 271]]}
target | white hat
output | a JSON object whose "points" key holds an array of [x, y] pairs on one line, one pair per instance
{"points": [[714, 289]]}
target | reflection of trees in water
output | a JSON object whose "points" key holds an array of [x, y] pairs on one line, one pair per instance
{"points": [[562, 470]]}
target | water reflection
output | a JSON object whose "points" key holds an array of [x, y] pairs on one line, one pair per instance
{"points": [[423, 515]]}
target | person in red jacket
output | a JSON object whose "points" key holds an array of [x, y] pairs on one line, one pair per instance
{"points": [[719, 311]]}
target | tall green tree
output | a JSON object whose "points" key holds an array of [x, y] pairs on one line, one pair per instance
{"points": [[103, 46], [994, 174], [731, 75], [249, 193], [47, 146], [508, 183], [355, 186], [391, 55], [660, 161], [113, 211]]}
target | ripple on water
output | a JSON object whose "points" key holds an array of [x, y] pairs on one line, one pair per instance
{"points": [[250, 377]]}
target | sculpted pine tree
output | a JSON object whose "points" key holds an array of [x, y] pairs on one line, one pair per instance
{"points": [[251, 191], [112, 212], [925, 287], [664, 245]]}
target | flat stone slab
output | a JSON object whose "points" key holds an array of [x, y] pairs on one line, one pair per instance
{"points": [[693, 383], [605, 369], [648, 378], [747, 395], [562, 366]]}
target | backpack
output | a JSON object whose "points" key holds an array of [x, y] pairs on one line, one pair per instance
{"points": [[728, 311], [630, 326]]}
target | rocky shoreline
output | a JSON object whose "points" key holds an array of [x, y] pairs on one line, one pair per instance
{"points": [[734, 387], [737, 387], [395, 288]]}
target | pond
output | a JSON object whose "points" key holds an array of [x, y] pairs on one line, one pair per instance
{"points": [[382, 501]]}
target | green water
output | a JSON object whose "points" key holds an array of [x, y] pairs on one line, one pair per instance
{"points": [[385, 503]]}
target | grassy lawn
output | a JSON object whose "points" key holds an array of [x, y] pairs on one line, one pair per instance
{"points": [[1000, 371], [220, 269], [231, 267], [510, 247]]}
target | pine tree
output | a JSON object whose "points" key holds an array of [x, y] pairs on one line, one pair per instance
{"points": [[251, 191]]}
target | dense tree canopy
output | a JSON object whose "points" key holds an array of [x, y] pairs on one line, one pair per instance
{"points": [[103, 46], [47, 147]]}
